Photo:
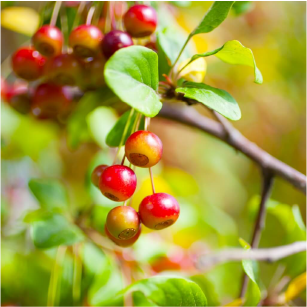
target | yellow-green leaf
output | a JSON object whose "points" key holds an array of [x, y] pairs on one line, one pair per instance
{"points": [[296, 286], [20, 19]]}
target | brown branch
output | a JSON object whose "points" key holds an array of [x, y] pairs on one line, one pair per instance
{"points": [[189, 116], [261, 254]]}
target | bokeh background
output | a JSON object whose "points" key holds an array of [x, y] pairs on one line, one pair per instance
{"points": [[217, 188]]}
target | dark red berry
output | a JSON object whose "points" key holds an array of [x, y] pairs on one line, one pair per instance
{"points": [[159, 211], [48, 40], [123, 222], [19, 97], [114, 41], [123, 243], [5, 89], [28, 64], [50, 101], [85, 41], [64, 69], [152, 46], [118, 182], [96, 174], [140, 20]]}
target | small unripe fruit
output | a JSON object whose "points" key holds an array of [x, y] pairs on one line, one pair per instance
{"points": [[64, 69], [123, 243], [50, 101], [28, 64], [143, 148], [123, 222], [114, 41], [96, 174], [140, 20], [48, 40], [117, 182], [159, 211], [85, 41]]}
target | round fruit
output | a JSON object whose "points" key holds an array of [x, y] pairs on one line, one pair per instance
{"points": [[19, 98], [65, 69], [143, 148], [123, 222], [5, 89], [159, 211], [85, 41], [50, 101], [152, 46], [93, 74], [96, 174], [140, 20], [114, 41], [48, 40], [117, 182], [123, 243], [28, 64]]}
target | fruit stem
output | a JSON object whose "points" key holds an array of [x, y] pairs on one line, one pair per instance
{"points": [[123, 160], [152, 182], [54, 279], [78, 14], [55, 13], [124, 135], [125, 203], [147, 123], [90, 15]]}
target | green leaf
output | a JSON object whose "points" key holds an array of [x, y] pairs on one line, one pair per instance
{"points": [[214, 98], [50, 193], [167, 291], [214, 17], [114, 137], [53, 231], [233, 52], [77, 125], [132, 74], [241, 7], [253, 294]]}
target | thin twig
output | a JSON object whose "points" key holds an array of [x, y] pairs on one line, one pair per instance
{"points": [[189, 116], [267, 183], [90, 15], [261, 254], [152, 181]]}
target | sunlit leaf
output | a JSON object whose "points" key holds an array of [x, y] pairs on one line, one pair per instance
{"points": [[295, 287], [214, 98], [23, 20], [236, 302], [132, 74], [242, 7], [194, 72], [233, 52]]}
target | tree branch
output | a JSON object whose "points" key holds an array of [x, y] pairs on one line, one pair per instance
{"points": [[260, 254], [189, 116]]}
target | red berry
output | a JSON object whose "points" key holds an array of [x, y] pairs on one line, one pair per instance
{"points": [[85, 41], [140, 20], [152, 46], [96, 174], [19, 98], [114, 41], [28, 64], [93, 74], [159, 211], [5, 89], [123, 222], [50, 101], [48, 40], [123, 243], [143, 149], [118, 182], [64, 69]]}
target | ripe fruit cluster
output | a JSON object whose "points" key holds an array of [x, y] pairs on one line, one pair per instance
{"points": [[118, 183], [49, 69]]}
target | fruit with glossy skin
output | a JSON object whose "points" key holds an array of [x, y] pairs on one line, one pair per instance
{"points": [[123, 243], [140, 20], [117, 182], [143, 148], [114, 41], [159, 211], [19, 98], [50, 101], [48, 40], [96, 174], [64, 69], [123, 222], [85, 41], [28, 64]]}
